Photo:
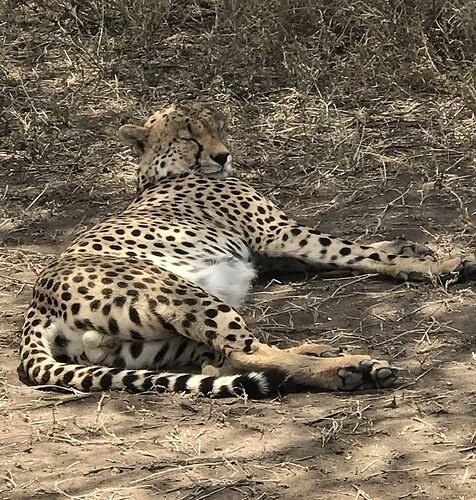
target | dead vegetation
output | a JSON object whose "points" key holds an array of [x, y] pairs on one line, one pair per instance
{"points": [[355, 116]]}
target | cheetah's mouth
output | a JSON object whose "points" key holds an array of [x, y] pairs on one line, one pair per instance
{"points": [[213, 174], [212, 171]]}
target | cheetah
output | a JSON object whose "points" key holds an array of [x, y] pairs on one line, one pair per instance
{"points": [[158, 287]]}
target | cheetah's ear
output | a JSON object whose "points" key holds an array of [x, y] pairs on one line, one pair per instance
{"points": [[134, 136]]}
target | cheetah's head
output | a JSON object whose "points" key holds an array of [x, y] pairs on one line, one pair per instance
{"points": [[183, 138]]}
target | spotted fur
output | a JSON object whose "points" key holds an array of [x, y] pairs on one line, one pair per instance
{"points": [[157, 287]]}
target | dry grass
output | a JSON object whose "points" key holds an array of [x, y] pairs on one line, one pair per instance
{"points": [[354, 116]]}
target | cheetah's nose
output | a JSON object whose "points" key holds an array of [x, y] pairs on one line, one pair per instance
{"points": [[221, 158]]}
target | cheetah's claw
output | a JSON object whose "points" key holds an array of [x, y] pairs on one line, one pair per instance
{"points": [[406, 248], [416, 250], [464, 272]]}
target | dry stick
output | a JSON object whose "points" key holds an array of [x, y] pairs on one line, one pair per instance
{"points": [[331, 415], [409, 384], [369, 465], [464, 210], [344, 285], [16, 280], [392, 339], [180, 467], [361, 493], [37, 198], [313, 421], [390, 204], [443, 465], [202, 495], [233, 484], [54, 403], [412, 493], [468, 448], [109, 467], [390, 471]]}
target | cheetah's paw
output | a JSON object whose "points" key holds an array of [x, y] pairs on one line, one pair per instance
{"points": [[367, 374], [406, 248]]}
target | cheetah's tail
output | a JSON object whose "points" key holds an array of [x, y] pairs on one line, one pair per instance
{"points": [[39, 367]]}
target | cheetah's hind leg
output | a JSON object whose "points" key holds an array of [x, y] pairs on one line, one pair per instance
{"points": [[361, 374], [308, 349], [344, 373]]}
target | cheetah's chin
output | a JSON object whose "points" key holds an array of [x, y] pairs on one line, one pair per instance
{"points": [[215, 174]]}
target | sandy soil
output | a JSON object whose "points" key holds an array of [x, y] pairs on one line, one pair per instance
{"points": [[397, 166], [417, 441]]}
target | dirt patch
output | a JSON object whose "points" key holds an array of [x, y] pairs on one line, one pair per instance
{"points": [[392, 159]]}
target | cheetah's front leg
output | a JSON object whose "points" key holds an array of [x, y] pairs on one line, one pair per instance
{"points": [[317, 249]]}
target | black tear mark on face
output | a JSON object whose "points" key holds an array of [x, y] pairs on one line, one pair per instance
{"points": [[198, 154]]}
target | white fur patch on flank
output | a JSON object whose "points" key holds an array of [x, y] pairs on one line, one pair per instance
{"points": [[229, 280], [227, 277]]}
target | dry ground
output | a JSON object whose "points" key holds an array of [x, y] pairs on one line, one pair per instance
{"points": [[368, 166]]}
